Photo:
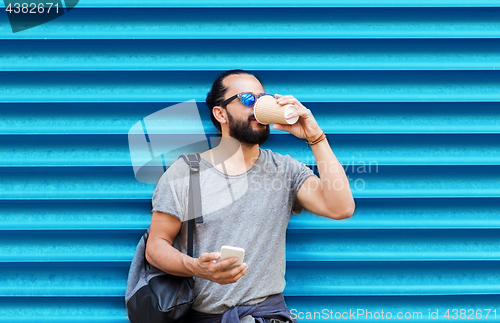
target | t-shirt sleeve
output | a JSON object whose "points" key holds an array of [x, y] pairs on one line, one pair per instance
{"points": [[169, 192], [299, 172]]}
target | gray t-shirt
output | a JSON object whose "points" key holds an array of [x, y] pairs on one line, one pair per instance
{"points": [[250, 211]]}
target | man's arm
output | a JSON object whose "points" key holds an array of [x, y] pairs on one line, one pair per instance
{"points": [[330, 194], [161, 254]]}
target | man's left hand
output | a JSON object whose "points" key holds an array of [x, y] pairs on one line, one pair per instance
{"points": [[306, 127]]}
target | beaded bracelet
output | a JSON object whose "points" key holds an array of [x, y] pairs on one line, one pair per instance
{"points": [[320, 138]]}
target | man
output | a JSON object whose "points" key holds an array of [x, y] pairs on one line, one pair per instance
{"points": [[247, 201]]}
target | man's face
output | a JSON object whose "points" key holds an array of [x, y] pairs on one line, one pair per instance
{"points": [[241, 121]]}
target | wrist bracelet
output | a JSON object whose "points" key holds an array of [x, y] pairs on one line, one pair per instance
{"points": [[320, 138]]}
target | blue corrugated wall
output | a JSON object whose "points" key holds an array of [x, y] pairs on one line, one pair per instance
{"points": [[407, 91]]}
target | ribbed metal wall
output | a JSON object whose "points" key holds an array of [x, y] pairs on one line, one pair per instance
{"points": [[408, 88]]}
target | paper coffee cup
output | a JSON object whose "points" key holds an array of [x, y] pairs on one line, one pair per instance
{"points": [[267, 110]]}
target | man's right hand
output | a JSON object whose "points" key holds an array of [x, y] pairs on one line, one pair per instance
{"points": [[206, 267]]}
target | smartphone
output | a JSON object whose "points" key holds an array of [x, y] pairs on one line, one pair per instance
{"points": [[229, 252]]}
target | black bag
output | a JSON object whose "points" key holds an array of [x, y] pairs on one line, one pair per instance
{"points": [[154, 296]]}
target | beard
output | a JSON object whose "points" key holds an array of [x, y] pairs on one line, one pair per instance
{"points": [[242, 131]]}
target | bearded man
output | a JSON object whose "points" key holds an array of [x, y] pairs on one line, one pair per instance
{"points": [[247, 200]]}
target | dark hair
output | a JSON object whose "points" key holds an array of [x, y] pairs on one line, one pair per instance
{"points": [[216, 95]]}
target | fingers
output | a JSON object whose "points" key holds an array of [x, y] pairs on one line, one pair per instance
{"points": [[217, 271], [209, 257], [284, 98], [223, 276], [240, 271], [304, 113], [223, 264], [233, 275], [288, 99], [301, 111]]}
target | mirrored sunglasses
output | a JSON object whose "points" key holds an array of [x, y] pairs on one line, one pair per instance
{"points": [[247, 99]]}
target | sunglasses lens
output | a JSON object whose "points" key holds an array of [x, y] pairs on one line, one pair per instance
{"points": [[247, 99]]}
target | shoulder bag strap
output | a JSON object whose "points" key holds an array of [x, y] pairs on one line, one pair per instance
{"points": [[194, 203]]}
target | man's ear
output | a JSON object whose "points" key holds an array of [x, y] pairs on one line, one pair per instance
{"points": [[220, 114]]}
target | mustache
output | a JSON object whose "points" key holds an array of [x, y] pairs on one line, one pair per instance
{"points": [[252, 118]]}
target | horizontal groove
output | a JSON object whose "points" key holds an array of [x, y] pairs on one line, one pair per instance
{"points": [[63, 279], [409, 213], [280, 3], [74, 215], [381, 245], [353, 151], [370, 307], [333, 117], [74, 183], [392, 278], [392, 245], [63, 309], [111, 309], [359, 152], [68, 246], [328, 86], [135, 215], [262, 54], [269, 23], [71, 183], [303, 279]]}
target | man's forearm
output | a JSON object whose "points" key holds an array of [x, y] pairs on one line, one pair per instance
{"points": [[335, 185], [163, 256]]}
